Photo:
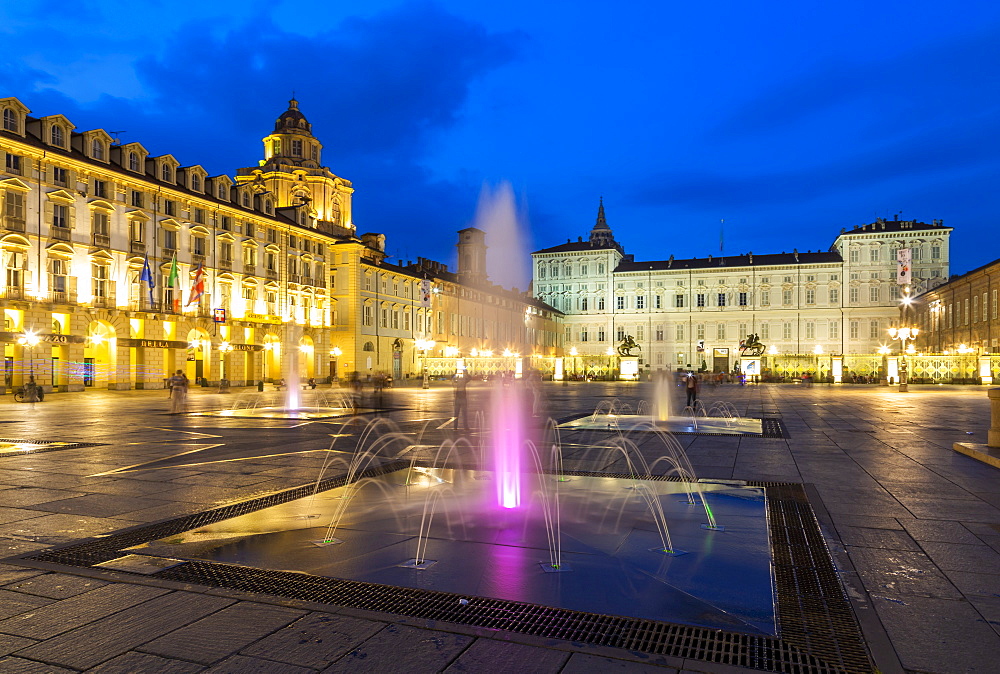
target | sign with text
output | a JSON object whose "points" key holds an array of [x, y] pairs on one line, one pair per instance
{"points": [[262, 318]]}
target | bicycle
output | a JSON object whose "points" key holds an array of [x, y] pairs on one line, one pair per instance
{"points": [[19, 396]]}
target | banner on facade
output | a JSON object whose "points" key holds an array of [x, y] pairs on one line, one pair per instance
{"points": [[425, 293], [904, 267]]}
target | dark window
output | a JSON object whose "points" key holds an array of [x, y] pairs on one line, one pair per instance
{"points": [[100, 189], [137, 199]]}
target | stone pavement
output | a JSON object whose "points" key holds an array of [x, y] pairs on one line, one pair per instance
{"points": [[913, 526]]}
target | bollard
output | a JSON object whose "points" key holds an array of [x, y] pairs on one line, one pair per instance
{"points": [[993, 436]]}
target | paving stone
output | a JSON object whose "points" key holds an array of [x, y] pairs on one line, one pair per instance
{"points": [[887, 539], [584, 663], [901, 572], [421, 650], [29, 496], [14, 603], [61, 528], [315, 640], [12, 665], [944, 532], [10, 643], [958, 557], [241, 664], [109, 637], [12, 574], [100, 505], [130, 663], [938, 635], [212, 638], [56, 585], [502, 657], [56, 618], [17, 514]]}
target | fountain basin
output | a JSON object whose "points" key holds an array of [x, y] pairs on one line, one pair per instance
{"points": [[639, 422], [609, 543], [285, 413]]}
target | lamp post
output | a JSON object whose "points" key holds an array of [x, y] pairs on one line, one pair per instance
{"points": [[903, 335], [224, 349], [424, 345], [30, 340], [335, 352]]}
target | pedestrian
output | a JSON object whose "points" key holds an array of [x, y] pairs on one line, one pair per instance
{"points": [[461, 402], [178, 392], [32, 392], [691, 386]]}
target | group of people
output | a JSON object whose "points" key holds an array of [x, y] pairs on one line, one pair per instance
{"points": [[178, 385]]}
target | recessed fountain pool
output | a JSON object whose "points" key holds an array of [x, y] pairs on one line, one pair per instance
{"points": [[612, 559]]}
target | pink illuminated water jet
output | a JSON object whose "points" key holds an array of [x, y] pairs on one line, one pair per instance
{"points": [[508, 445]]}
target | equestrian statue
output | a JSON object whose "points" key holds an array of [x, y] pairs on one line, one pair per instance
{"points": [[752, 346], [626, 346]]}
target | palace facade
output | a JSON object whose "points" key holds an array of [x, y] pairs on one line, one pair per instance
{"points": [[960, 316], [122, 267], [694, 312]]}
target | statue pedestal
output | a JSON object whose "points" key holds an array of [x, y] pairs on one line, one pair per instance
{"points": [[628, 369]]}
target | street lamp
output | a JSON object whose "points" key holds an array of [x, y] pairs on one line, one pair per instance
{"points": [[335, 352], [903, 335], [30, 339], [424, 345]]}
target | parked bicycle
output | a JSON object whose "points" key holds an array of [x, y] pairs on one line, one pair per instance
{"points": [[20, 397]]}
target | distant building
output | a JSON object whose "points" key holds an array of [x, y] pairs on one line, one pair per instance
{"points": [[687, 311], [960, 315]]}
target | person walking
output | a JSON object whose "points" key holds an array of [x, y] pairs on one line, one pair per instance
{"points": [[32, 392], [461, 402], [178, 392], [691, 386]]}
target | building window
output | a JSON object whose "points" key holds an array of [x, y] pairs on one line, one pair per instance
{"points": [[873, 255], [60, 176], [13, 164], [367, 315], [786, 331], [269, 261], [765, 298], [198, 246], [721, 299], [834, 296], [99, 276], [810, 296], [9, 120], [854, 296], [246, 200], [765, 331], [701, 331], [60, 216], [137, 199], [720, 331], [620, 303], [169, 207], [810, 330], [57, 136], [97, 149], [314, 152], [640, 302], [222, 191], [600, 304], [743, 299], [58, 271], [834, 330], [227, 223], [935, 252], [226, 252], [640, 333], [679, 301], [541, 271], [296, 147], [873, 330], [993, 308], [196, 182], [583, 304], [701, 299], [133, 161], [855, 329], [873, 294], [101, 223], [786, 297], [165, 173], [170, 239], [679, 332], [199, 216]]}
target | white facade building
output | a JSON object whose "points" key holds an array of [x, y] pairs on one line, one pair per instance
{"points": [[685, 312]]}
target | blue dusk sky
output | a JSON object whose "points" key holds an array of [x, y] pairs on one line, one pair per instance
{"points": [[787, 120]]}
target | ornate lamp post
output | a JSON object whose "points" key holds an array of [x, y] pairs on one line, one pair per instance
{"points": [[336, 352], [30, 340], [903, 335], [424, 345]]}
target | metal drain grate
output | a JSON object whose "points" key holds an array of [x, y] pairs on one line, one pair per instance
{"points": [[819, 634], [13, 447]]}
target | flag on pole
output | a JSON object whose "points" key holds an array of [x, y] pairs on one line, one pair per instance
{"points": [[198, 287], [147, 276], [174, 282]]}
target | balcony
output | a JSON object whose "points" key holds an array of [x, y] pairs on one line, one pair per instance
{"points": [[197, 258], [167, 253], [60, 233], [144, 305], [13, 224], [13, 292], [136, 248], [294, 278], [101, 240], [249, 268], [226, 264], [103, 301], [62, 297], [271, 273]]}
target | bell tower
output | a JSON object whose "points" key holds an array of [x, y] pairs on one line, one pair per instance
{"points": [[472, 256]]}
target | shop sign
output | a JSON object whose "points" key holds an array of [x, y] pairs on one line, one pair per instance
{"points": [[153, 343], [247, 347], [262, 318]]}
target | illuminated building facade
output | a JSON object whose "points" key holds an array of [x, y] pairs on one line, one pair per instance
{"points": [[238, 270], [694, 311], [960, 316]]}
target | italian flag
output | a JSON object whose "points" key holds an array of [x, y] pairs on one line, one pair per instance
{"points": [[174, 281]]}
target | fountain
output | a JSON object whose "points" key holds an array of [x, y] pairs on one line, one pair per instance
{"points": [[501, 517]]}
